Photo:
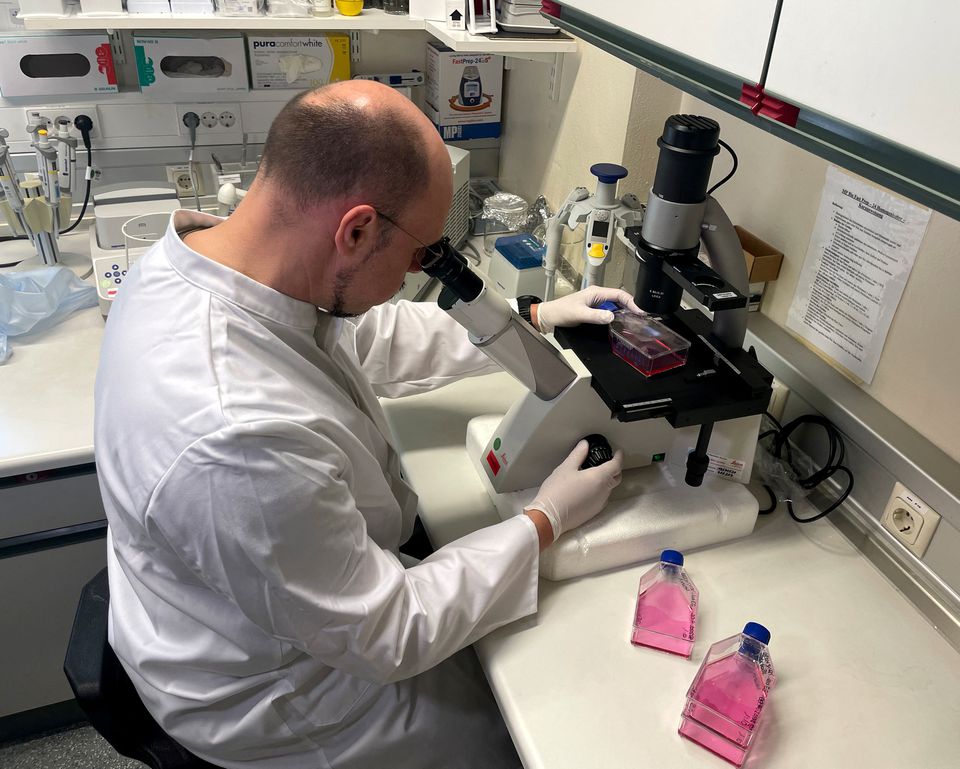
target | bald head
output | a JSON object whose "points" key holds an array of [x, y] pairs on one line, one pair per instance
{"points": [[356, 140]]}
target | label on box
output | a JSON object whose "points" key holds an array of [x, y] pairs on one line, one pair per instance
{"points": [[298, 62]]}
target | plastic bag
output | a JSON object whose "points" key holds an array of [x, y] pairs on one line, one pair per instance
{"points": [[34, 300], [781, 478]]}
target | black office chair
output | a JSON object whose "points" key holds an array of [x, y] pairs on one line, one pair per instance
{"points": [[105, 693]]}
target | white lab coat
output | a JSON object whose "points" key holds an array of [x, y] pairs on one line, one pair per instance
{"points": [[256, 507]]}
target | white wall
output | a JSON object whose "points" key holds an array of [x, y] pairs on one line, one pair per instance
{"points": [[548, 146], [776, 194]]}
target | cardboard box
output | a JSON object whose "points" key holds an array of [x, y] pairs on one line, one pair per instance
{"points": [[463, 94], [174, 66], [298, 62], [763, 260], [40, 65]]}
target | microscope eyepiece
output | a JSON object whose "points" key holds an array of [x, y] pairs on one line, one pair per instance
{"points": [[443, 262]]}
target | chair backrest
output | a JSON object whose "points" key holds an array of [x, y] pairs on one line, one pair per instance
{"points": [[105, 693]]}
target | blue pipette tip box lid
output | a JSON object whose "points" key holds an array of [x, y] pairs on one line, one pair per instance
{"points": [[522, 251]]}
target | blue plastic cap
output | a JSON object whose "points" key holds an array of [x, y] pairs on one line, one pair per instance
{"points": [[757, 631], [608, 173], [673, 556], [608, 305]]}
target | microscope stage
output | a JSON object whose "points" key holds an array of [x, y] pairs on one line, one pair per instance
{"points": [[716, 383]]}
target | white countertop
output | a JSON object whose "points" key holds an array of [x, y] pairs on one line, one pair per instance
{"points": [[864, 680], [46, 387]]}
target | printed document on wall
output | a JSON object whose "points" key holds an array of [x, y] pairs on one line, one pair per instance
{"points": [[860, 256]]}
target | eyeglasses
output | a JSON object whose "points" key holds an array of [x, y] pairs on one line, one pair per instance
{"points": [[420, 252]]}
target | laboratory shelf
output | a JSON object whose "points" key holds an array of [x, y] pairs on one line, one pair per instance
{"points": [[371, 20], [503, 43]]}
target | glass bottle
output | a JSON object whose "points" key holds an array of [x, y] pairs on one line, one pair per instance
{"points": [[727, 696], [666, 614]]}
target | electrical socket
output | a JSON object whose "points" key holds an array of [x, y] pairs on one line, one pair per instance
{"points": [[71, 111], [910, 519], [182, 179], [214, 118]]}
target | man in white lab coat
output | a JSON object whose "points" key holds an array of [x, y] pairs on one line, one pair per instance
{"points": [[256, 506]]}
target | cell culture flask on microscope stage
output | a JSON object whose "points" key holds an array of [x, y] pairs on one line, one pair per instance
{"points": [[727, 697], [666, 613]]}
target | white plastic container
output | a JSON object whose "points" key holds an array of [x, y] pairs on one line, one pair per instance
{"points": [[30, 8], [101, 7]]}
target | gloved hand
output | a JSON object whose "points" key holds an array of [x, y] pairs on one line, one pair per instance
{"points": [[570, 496], [581, 307]]}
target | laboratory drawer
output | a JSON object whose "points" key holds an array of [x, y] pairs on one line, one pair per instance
{"points": [[37, 604], [52, 500]]}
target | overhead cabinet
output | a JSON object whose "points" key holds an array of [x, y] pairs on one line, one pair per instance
{"points": [[730, 35], [885, 66], [871, 85]]}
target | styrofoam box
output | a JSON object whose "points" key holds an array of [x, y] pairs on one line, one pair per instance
{"points": [[464, 92], [173, 66], [101, 7], [42, 8], [297, 62], [436, 10], [40, 65]]}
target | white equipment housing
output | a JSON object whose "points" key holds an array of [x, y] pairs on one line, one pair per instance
{"points": [[651, 510]]}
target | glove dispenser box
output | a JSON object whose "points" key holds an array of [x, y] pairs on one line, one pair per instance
{"points": [[173, 66], [41, 65], [297, 62]]}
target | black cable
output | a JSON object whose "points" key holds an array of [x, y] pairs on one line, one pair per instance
{"points": [[86, 197], [84, 124], [836, 453], [5, 239], [733, 170]]}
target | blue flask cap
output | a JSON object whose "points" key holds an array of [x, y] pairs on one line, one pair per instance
{"points": [[608, 173], [673, 556], [757, 632]]}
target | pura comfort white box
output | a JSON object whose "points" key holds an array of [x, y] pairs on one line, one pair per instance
{"points": [[41, 65], [297, 62], [464, 92], [173, 66]]}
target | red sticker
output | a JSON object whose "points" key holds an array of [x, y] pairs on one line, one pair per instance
{"points": [[492, 461]]}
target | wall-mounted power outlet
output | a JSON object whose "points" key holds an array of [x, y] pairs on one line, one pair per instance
{"points": [[69, 111], [214, 118], [183, 180], [910, 519]]}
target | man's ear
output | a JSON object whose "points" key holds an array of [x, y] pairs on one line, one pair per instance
{"points": [[358, 231]]}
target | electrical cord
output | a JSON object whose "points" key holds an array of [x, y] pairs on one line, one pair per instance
{"points": [[84, 125], [192, 121], [733, 170], [834, 464], [468, 246]]}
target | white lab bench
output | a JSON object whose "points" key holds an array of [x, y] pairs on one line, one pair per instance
{"points": [[864, 679]]}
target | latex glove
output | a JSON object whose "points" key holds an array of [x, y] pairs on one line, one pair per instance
{"points": [[581, 307], [570, 496]]}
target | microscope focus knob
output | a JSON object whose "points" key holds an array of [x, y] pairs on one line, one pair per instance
{"points": [[608, 173], [599, 451]]}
